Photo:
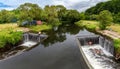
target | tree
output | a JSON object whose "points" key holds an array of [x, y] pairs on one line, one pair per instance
{"points": [[82, 16], [105, 18], [117, 18], [6, 16], [72, 16], [29, 12], [52, 15]]}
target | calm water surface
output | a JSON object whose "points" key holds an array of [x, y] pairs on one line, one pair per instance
{"points": [[59, 51]]}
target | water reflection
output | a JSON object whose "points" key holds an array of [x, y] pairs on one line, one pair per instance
{"points": [[59, 35]]}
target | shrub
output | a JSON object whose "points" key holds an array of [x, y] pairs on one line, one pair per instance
{"points": [[117, 45], [9, 36]]}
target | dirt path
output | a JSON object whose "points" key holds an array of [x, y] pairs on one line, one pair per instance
{"points": [[112, 34]]}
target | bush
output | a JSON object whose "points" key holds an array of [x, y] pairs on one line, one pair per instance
{"points": [[117, 45], [9, 37]]}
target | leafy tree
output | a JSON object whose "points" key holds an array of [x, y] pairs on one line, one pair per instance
{"points": [[117, 18], [105, 18], [72, 16], [52, 15], [29, 12], [6, 16], [111, 5], [82, 16]]}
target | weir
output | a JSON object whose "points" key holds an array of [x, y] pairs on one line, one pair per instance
{"points": [[31, 39], [96, 39], [98, 52]]}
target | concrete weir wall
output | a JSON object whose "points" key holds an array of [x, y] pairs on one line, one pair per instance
{"points": [[83, 54], [95, 39]]}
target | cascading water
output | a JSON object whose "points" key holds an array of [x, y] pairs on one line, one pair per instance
{"points": [[106, 44], [95, 39], [84, 40], [30, 39], [101, 53]]}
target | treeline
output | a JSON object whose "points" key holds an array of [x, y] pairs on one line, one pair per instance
{"points": [[54, 15], [111, 5]]}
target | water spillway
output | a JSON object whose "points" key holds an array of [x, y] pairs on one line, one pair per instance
{"points": [[31, 39], [96, 39], [84, 40], [107, 45], [100, 53]]}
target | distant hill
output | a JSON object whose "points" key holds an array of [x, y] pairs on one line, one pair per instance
{"points": [[112, 5]]}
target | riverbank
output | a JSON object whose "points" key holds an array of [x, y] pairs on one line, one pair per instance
{"points": [[111, 32], [11, 34]]}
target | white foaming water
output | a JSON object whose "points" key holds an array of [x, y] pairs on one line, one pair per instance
{"points": [[29, 44], [101, 60]]}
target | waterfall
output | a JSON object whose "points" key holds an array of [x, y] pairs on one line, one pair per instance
{"points": [[105, 43], [32, 37], [84, 40]]}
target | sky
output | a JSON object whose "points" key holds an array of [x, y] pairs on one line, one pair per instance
{"points": [[80, 5]]}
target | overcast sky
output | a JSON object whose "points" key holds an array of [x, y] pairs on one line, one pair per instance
{"points": [[80, 5]]}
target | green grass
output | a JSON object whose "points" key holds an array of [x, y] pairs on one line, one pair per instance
{"points": [[39, 28], [90, 25], [115, 27]]}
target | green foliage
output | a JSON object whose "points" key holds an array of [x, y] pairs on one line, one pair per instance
{"points": [[6, 16], [117, 45], [9, 36], [116, 18], [110, 5], [82, 16], [29, 12], [105, 18], [72, 16]]}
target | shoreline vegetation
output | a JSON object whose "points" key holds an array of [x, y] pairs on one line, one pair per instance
{"points": [[11, 34], [9, 37]]}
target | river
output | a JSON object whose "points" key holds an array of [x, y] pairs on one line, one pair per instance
{"points": [[59, 51]]}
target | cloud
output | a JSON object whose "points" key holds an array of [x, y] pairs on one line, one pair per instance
{"points": [[79, 5]]}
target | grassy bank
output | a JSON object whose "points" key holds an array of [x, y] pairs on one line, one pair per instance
{"points": [[90, 25], [39, 28], [9, 37], [9, 34], [115, 27]]}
